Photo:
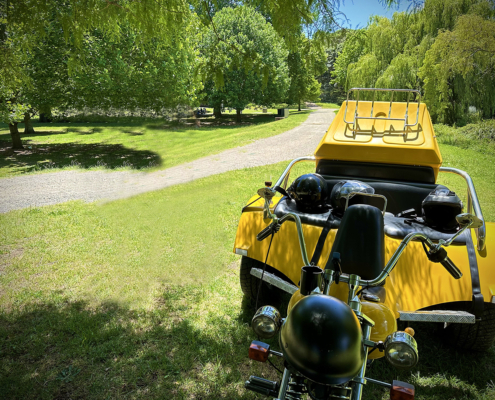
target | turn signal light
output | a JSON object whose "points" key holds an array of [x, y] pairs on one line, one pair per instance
{"points": [[410, 331], [401, 391], [259, 351]]}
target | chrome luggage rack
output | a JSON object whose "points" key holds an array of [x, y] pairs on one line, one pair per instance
{"points": [[354, 122]]}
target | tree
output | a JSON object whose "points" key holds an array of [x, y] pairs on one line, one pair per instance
{"points": [[260, 76], [442, 49], [123, 73], [104, 71], [304, 65], [459, 69], [23, 23], [331, 91]]}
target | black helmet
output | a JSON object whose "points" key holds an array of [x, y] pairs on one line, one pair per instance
{"points": [[321, 338], [309, 191], [341, 191], [440, 208]]}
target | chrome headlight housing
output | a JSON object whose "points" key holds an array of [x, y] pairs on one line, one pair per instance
{"points": [[401, 350], [266, 322]]}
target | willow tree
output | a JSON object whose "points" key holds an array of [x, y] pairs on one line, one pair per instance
{"points": [[432, 49], [459, 69]]}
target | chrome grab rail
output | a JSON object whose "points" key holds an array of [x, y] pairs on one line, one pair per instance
{"points": [[283, 178], [379, 196], [374, 90], [473, 204]]}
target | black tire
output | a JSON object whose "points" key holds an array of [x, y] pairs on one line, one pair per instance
{"points": [[475, 337], [250, 284]]}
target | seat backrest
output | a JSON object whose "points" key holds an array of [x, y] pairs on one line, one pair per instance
{"points": [[360, 241]]}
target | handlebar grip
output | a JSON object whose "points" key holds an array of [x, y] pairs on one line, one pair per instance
{"points": [[451, 268], [440, 256], [267, 231]]}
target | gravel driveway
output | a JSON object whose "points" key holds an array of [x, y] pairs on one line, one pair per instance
{"points": [[58, 187]]}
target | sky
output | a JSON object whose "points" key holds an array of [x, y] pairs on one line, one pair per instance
{"points": [[358, 12]]}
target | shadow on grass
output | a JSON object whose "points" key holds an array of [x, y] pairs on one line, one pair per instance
{"points": [[442, 371], [226, 121], [37, 157], [67, 349]]}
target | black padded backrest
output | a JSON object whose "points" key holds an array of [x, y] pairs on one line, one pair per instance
{"points": [[360, 241], [376, 171]]}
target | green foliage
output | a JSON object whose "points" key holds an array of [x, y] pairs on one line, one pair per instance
{"points": [[11, 111], [121, 61], [332, 91], [127, 75], [244, 60], [446, 49], [354, 45], [479, 136], [459, 69], [304, 65]]}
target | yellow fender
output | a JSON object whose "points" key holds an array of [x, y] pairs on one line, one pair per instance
{"points": [[414, 284]]}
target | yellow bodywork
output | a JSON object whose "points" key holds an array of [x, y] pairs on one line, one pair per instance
{"points": [[415, 282], [380, 140]]}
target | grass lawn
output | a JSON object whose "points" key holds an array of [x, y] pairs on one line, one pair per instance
{"points": [[473, 155], [328, 105], [140, 298], [133, 143]]}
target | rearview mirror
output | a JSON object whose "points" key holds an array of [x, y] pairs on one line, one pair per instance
{"points": [[266, 193], [469, 219]]}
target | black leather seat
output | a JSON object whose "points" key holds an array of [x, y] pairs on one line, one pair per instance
{"points": [[360, 241]]}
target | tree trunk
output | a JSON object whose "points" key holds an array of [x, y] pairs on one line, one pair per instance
{"points": [[28, 126], [238, 114], [16, 136], [46, 114], [299, 109], [217, 111]]}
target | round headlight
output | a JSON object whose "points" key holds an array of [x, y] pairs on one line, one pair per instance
{"points": [[266, 322], [401, 350]]}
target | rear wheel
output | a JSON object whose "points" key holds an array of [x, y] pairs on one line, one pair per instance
{"points": [[477, 337], [250, 284]]}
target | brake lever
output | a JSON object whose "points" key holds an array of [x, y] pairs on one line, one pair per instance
{"points": [[281, 190]]}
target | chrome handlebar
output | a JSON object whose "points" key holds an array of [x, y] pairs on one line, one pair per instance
{"points": [[391, 263]]}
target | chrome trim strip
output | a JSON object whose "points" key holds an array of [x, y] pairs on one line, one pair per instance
{"points": [[452, 317], [473, 203], [274, 280], [241, 252]]}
